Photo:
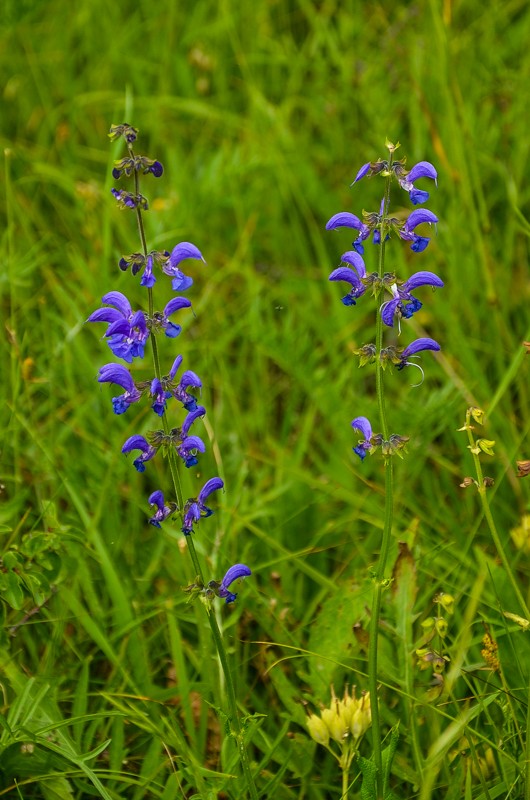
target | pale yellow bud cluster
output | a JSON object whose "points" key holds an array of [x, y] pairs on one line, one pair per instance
{"points": [[348, 717]]}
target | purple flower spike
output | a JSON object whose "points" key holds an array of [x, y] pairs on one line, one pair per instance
{"points": [[362, 425], [162, 512], [180, 252], [233, 574], [138, 442], [195, 508], [115, 373]]}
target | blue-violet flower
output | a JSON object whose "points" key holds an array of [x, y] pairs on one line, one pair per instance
{"points": [[404, 304], [362, 424], [195, 508], [233, 574]]}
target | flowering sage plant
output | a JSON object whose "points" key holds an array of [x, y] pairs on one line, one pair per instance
{"points": [[395, 302], [133, 333]]}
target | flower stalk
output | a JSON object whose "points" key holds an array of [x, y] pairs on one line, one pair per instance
{"points": [[127, 335], [380, 226]]}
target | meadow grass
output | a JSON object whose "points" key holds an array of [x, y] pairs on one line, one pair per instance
{"points": [[261, 113]]}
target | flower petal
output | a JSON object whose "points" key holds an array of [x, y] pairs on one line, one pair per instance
{"points": [[362, 172], [184, 250], [157, 499], [424, 343], [175, 305], [235, 572], [354, 259], [210, 486], [119, 301], [422, 279], [136, 442], [419, 216], [115, 373], [362, 424], [345, 274], [423, 169], [344, 220]]}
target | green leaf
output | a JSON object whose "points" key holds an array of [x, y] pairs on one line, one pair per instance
{"points": [[14, 595]]}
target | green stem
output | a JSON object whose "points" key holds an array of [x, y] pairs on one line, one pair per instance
{"points": [[482, 489], [236, 729], [379, 581]]}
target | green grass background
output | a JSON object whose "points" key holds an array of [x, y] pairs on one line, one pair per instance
{"points": [[261, 113]]}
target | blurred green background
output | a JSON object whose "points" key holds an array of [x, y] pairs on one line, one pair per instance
{"points": [[262, 114]]}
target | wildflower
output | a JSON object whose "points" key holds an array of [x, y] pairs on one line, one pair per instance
{"points": [[404, 304], [423, 169], [405, 178], [195, 507], [138, 261], [160, 395], [115, 373], [147, 451], [424, 343], [362, 425], [188, 446], [127, 131], [352, 275], [187, 380], [130, 199], [127, 332], [346, 220], [163, 511], [161, 319], [179, 253], [406, 232], [318, 730], [130, 164], [233, 574]]}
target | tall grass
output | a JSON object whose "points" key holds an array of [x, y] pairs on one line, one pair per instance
{"points": [[261, 114]]}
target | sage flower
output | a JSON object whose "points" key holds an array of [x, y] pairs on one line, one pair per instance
{"points": [[195, 507]]}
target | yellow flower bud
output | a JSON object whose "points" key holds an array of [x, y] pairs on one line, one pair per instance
{"points": [[318, 730]]}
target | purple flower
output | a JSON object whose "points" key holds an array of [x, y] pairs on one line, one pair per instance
{"points": [[233, 574], [351, 275], [189, 445], [148, 279], [130, 199], [162, 320], [163, 511], [362, 425], [404, 304], [187, 380], [180, 252], [417, 346], [423, 169], [147, 451], [195, 508], [346, 220], [128, 165], [127, 332], [419, 243], [115, 373], [160, 395]]}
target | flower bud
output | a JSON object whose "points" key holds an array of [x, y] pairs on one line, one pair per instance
{"points": [[318, 730]]}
